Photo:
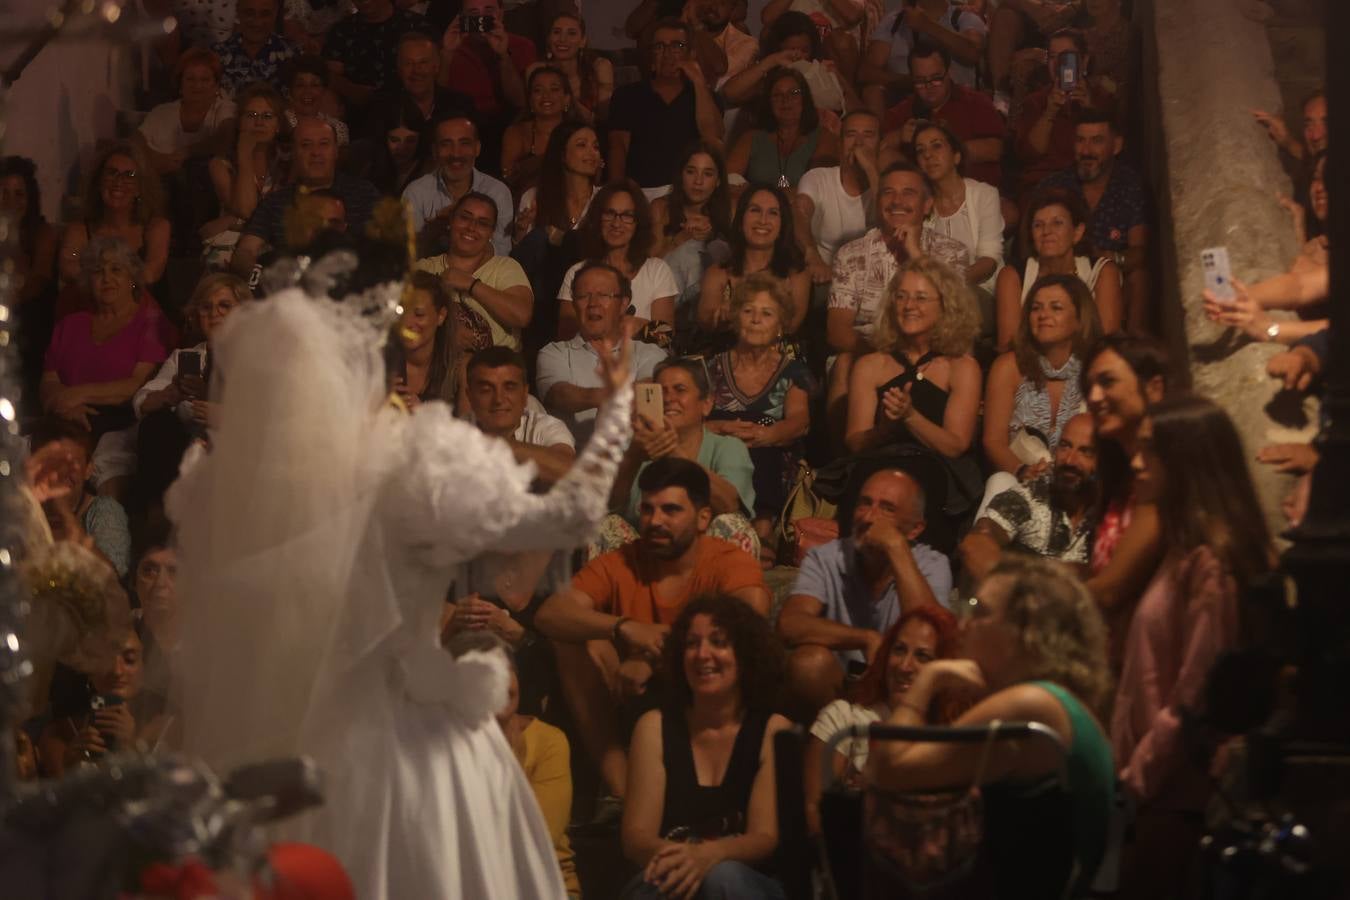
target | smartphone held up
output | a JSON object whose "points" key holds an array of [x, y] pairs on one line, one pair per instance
{"points": [[1218, 274]]}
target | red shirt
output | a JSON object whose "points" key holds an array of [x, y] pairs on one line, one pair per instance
{"points": [[473, 71], [970, 115], [1060, 154]]}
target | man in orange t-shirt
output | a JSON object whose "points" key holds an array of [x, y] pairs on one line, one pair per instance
{"points": [[610, 624]]}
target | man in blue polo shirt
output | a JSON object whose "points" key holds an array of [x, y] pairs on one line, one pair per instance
{"points": [[851, 590]]}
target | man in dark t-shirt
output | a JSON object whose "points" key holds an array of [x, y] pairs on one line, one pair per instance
{"points": [[362, 49]]}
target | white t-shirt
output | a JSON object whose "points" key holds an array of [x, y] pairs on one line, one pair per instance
{"points": [[531, 197], [163, 131], [652, 282], [837, 218], [539, 429]]}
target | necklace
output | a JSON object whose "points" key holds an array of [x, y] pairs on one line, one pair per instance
{"points": [[782, 161]]}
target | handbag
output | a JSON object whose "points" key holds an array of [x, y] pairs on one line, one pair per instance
{"points": [[804, 503]]}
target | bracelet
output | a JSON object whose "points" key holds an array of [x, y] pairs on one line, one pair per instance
{"points": [[615, 633]]}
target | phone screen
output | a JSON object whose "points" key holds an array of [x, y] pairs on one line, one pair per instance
{"points": [[190, 363]]}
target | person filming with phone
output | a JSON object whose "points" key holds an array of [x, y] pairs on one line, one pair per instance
{"points": [[1044, 133]]}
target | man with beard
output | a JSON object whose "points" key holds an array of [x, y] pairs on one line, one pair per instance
{"points": [[740, 49], [851, 590], [831, 202], [1050, 517], [863, 270], [610, 624], [1114, 192], [430, 198]]}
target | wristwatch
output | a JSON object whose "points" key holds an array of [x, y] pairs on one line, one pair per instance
{"points": [[1273, 331]]}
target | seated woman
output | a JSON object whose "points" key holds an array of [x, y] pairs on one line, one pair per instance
{"points": [[1189, 460], [1034, 388], [1304, 288], [618, 230], [98, 360], [34, 252], [307, 89], [762, 240], [964, 209], [590, 76], [786, 138], [253, 172], [102, 714], [700, 811], [1034, 647], [1056, 221], [762, 396], [696, 212], [197, 124], [1122, 376], [541, 749], [122, 198], [403, 152], [917, 638], [491, 295], [430, 366], [173, 406], [920, 390], [549, 100]]}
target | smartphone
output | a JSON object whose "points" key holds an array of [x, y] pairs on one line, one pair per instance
{"points": [[190, 364], [105, 701], [1068, 71], [1218, 274], [650, 403], [477, 24]]}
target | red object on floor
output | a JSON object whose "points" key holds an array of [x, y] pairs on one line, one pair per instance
{"points": [[305, 872]]}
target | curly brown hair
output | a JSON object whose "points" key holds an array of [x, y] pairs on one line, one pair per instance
{"points": [[1060, 632], [955, 332], [761, 662]]}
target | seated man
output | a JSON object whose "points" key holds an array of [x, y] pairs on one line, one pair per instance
{"points": [[568, 382], [1115, 193], [456, 149], [500, 405], [255, 52], [681, 434], [610, 624], [418, 65], [1048, 517], [362, 50], [851, 590]]}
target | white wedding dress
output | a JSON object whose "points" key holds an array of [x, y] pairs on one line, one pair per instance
{"points": [[318, 538]]}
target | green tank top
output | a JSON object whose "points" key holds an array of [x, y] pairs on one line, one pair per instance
{"points": [[1092, 781], [766, 166]]}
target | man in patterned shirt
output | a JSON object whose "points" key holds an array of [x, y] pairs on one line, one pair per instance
{"points": [[1050, 517], [255, 52], [362, 50], [863, 270]]}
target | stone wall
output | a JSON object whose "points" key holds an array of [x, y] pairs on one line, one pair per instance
{"points": [[1207, 63]]}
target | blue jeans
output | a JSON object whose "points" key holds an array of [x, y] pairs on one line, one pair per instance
{"points": [[724, 881]]}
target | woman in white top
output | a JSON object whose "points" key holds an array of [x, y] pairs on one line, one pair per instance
{"points": [[1057, 220], [964, 209], [920, 636], [568, 176], [618, 230], [193, 125]]}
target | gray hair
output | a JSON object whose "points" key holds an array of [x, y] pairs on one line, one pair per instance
{"points": [[94, 252]]}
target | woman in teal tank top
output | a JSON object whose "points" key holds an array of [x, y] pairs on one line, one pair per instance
{"points": [[1034, 649], [786, 138]]}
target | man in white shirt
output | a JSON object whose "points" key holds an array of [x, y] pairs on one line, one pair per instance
{"points": [[429, 198], [832, 201], [566, 374], [499, 404]]}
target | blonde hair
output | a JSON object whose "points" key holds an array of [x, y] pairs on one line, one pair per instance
{"points": [[954, 334], [763, 283], [1060, 632], [207, 285]]}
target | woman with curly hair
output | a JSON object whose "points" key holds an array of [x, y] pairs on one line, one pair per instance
{"points": [[700, 813], [762, 240], [786, 139], [918, 637], [1033, 648]]}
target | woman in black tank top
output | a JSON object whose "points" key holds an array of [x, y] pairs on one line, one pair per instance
{"points": [[700, 811]]}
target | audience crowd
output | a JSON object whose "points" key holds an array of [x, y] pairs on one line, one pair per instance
{"points": [[904, 450]]}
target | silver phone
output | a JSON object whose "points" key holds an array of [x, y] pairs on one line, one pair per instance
{"points": [[1218, 274]]}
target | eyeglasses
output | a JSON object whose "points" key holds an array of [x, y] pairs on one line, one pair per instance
{"points": [[930, 81], [254, 116], [670, 46], [119, 174], [779, 96], [596, 295], [627, 216]]}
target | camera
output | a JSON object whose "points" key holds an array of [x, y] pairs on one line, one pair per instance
{"points": [[477, 24]]}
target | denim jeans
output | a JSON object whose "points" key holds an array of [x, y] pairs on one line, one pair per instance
{"points": [[725, 881]]}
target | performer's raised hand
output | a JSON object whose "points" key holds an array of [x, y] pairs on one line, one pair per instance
{"points": [[616, 370]]}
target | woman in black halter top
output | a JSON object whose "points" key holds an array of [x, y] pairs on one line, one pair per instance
{"points": [[700, 816], [919, 393]]}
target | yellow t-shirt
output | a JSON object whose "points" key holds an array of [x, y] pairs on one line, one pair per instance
{"points": [[546, 759], [500, 272]]}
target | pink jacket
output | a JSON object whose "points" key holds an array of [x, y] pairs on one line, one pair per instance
{"points": [[1187, 616]]}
